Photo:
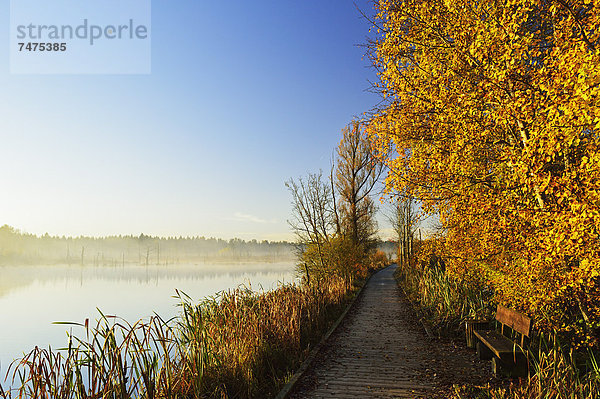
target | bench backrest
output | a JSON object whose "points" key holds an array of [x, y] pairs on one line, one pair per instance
{"points": [[516, 321]]}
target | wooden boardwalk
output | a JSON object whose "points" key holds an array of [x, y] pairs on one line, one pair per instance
{"points": [[381, 351]]}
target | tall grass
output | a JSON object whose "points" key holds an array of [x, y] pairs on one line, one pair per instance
{"points": [[238, 344], [446, 301], [560, 372]]}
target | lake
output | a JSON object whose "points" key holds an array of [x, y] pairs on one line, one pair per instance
{"points": [[33, 297]]}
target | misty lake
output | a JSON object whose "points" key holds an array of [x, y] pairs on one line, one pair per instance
{"points": [[33, 297]]}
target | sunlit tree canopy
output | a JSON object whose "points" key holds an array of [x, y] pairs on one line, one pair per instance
{"points": [[493, 111]]}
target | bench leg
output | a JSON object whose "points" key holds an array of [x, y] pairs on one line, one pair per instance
{"points": [[498, 368], [483, 352], [510, 368]]}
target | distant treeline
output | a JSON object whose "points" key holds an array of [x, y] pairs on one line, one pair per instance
{"points": [[22, 248], [17, 247]]}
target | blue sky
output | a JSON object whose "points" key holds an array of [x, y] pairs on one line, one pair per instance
{"points": [[242, 96]]}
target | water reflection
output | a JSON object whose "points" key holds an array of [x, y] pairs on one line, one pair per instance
{"points": [[32, 297]]}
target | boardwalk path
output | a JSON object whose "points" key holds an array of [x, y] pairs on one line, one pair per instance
{"points": [[381, 351]]}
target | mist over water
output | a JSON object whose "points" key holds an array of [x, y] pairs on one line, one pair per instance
{"points": [[33, 297]]}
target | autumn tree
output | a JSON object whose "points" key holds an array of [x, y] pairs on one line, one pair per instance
{"points": [[334, 221], [312, 222], [404, 221], [357, 173], [492, 117]]}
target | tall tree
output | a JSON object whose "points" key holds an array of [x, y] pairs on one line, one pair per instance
{"points": [[357, 173], [404, 221]]}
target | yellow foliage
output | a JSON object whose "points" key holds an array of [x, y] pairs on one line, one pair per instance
{"points": [[492, 120]]}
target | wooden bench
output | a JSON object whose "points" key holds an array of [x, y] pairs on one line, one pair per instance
{"points": [[506, 346]]}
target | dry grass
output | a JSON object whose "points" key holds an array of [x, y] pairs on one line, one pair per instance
{"points": [[239, 344], [446, 301]]}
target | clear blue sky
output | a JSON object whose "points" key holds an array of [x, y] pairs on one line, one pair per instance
{"points": [[242, 96]]}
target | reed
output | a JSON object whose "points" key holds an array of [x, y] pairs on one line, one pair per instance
{"points": [[446, 301], [238, 344]]}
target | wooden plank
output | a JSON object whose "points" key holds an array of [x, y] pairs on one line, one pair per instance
{"points": [[498, 344], [515, 320]]}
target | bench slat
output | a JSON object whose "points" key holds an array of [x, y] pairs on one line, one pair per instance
{"points": [[498, 344], [515, 320]]}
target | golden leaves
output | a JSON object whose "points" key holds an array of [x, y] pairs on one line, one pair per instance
{"points": [[494, 116]]}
